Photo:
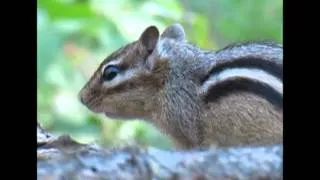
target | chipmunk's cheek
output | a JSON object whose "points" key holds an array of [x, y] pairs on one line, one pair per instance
{"points": [[108, 108], [109, 111]]}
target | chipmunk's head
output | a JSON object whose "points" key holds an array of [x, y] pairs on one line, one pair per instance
{"points": [[127, 82]]}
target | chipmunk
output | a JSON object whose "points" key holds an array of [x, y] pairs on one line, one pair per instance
{"points": [[229, 97]]}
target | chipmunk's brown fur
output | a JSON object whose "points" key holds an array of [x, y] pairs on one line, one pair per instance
{"points": [[167, 81]]}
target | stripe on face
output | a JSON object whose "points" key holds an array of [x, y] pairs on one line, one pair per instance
{"points": [[121, 77]]}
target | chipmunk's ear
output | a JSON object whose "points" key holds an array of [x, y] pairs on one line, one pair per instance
{"points": [[149, 38], [175, 31]]}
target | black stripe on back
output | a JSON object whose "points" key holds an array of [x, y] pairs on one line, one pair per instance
{"points": [[244, 85], [267, 65]]}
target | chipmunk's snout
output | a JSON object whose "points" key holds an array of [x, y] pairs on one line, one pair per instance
{"points": [[90, 103], [81, 99]]}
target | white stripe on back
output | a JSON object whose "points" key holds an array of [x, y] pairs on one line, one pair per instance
{"points": [[249, 73]]}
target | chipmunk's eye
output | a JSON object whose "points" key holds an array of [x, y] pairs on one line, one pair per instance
{"points": [[110, 72]]}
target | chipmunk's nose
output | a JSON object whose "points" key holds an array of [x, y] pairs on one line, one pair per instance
{"points": [[80, 97], [81, 100]]}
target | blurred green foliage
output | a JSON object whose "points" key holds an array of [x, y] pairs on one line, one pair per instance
{"points": [[74, 36]]}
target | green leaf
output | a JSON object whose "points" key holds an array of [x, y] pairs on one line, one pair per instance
{"points": [[62, 10]]}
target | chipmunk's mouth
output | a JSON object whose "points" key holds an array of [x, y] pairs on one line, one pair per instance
{"points": [[110, 114], [114, 115]]}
